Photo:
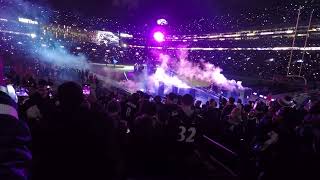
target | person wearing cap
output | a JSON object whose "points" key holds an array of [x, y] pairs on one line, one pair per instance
{"points": [[15, 138]]}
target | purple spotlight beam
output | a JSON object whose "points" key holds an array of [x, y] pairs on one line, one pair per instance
{"points": [[159, 36]]}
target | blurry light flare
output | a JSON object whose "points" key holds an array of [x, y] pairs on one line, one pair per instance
{"points": [[266, 33], [289, 31], [33, 35], [251, 34], [159, 36], [27, 21], [125, 35], [78, 48], [300, 61]]}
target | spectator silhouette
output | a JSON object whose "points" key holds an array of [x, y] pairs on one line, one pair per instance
{"points": [[77, 143]]}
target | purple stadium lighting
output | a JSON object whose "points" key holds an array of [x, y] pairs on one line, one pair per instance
{"points": [[159, 36]]}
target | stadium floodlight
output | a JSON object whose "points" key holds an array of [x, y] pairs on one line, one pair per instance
{"points": [[289, 31], [33, 35], [125, 35], [159, 36], [27, 21]]}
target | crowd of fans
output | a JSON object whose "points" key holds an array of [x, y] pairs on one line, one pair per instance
{"points": [[105, 133], [65, 124]]}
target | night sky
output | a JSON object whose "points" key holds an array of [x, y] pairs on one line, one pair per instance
{"points": [[172, 9]]}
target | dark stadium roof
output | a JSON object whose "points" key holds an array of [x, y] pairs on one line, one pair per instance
{"points": [[179, 9]]}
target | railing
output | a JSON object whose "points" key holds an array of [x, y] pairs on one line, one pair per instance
{"points": [[222, 156]]}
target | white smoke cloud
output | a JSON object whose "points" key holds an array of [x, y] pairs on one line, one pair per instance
{"points": [[52, 51], [184, 74], [204, 73]]}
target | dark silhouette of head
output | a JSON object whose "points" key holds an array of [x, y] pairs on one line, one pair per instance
{"points": [[70, 95], [157, 99], [113, 107], [187, 100], [147, 108], [231, 100]]}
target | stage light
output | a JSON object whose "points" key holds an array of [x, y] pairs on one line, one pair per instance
{"points": [[159, 36]]}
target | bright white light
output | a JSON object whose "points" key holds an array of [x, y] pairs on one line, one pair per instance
{"points": [[19, 42], [33, 35], [125, 35], [289, 31], [229, 58], [232, 35], [271, 60], [62, 46], [43, 45], [78, 48], [162, 22], [94, 49], [251, 34], [255, 93], [1, 19], [27, 21], [261, 96], [159, 36], [300, 61], [124, 45], [266, 33]]}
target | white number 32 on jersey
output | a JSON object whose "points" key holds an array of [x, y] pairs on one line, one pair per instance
{"points": [[182, 134]]}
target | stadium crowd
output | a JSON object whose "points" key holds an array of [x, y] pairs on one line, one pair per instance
{"points": [[99, 133], [76, 34], [61, 122]]}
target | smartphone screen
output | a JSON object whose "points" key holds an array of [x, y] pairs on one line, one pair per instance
{"points": [[86, 90]]}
